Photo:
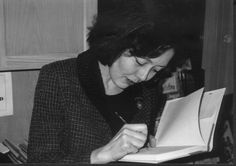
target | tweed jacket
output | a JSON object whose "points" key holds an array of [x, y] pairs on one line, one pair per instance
{"points": [[66, 125]]}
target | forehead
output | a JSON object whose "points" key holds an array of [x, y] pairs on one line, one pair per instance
{"points": [[163, 59]]}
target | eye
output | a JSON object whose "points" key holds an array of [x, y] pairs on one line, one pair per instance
{"points": [[158, 68], [140, 61]]}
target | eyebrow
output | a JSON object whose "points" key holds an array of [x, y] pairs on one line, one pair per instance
{"points": [[155, 65], [160, 66]]}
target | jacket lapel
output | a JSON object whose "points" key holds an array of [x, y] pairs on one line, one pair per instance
{"points": [[90, 78]]}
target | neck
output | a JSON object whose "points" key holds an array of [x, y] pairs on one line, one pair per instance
{"points": [[110, 87]]}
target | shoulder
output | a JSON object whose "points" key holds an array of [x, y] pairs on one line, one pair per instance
{"points": [[67, 65], [61, 74], [65, 69]]}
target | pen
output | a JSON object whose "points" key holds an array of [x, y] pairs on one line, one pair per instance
{"points": [[120, 117]]}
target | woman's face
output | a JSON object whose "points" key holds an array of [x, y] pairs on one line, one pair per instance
{"points": [[128, 70]]}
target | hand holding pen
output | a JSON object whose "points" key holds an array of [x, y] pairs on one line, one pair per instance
{"points": [[129, 139], [151, 138]]}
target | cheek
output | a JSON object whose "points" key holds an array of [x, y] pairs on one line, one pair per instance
{"points": [[123, 67], [116, 71], [127, 67]]}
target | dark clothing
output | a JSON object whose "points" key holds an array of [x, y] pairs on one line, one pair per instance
{"points": [[123, 105], [70, 114]]}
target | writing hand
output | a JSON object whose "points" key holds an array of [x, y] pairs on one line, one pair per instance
{"points": [[152, 141], [129, 139]]}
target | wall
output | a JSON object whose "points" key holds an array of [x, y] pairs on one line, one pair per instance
{"points": [[34, 33], [16, 127], [218, 45]]}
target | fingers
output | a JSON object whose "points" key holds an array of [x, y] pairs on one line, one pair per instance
{"points": [[129, 139], [129, 148], [136, 130], [132, 137], [136, 127], [152, 141], [136, 134]]}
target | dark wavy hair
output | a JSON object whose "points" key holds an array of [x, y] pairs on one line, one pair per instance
{"points": [[118, 30]]}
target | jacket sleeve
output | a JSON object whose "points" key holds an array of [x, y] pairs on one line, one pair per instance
{"points": [[48, 129]]}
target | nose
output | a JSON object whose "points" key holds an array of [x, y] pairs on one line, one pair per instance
{"points": [[142, 73]]}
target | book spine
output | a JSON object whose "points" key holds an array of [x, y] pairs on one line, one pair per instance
{"points": [[22, 152], [6, 143], [23, 148], [16, 151], [14, 159]]}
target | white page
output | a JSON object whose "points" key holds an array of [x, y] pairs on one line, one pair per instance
{"points": [[209, 111], [180, 148], [206, 127], [161, 154], [181, 114]]}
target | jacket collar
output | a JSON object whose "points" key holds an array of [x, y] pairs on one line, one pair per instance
{"points": [[90, 78]]}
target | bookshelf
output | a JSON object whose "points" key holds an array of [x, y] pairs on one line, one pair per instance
{"points": [[14, 153]]}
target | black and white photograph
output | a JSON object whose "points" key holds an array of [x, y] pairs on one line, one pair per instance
{"points": [[117, 82]]}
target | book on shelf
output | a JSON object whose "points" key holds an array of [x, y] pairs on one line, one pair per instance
{"points": [[14, 159], [23, 147], [3, 149], [186, 128], [16, 153]]}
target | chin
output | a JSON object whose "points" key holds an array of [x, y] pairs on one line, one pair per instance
{"points": [[122, 85]]}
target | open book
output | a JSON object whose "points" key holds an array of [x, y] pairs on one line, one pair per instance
{"points": [[186, 127]]}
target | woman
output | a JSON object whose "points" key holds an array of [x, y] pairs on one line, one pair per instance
{"points": [[99, 107]]}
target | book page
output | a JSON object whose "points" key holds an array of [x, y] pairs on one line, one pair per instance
{"points": [[161, 154], [206, 127], [179, 124], [209, 111], [179, 134], [161, 150]]}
